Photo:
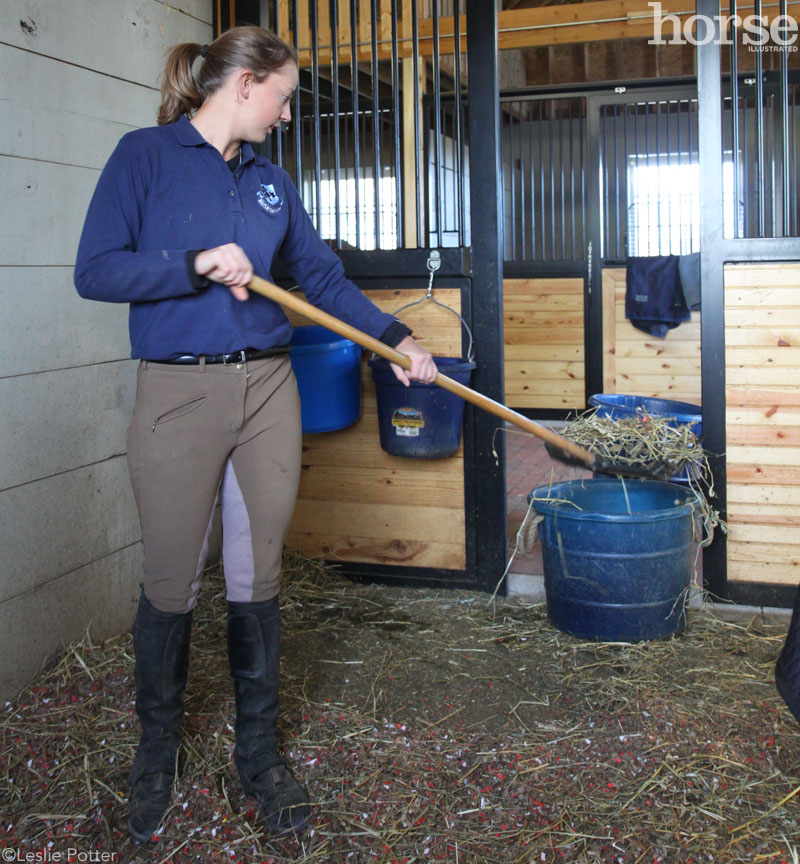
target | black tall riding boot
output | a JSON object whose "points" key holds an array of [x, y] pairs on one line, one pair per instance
{"points": [[254, 654], [161, 648], [787, 669]]}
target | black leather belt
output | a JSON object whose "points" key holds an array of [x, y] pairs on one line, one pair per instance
{"points": [[227, 359]]}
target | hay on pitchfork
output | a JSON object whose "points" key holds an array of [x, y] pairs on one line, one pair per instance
{"points": [[645, 439]]}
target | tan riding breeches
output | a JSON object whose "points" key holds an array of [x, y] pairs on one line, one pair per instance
{"points": [[199, 431]]}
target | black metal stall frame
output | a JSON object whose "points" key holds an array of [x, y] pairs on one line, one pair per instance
{"points": [[715, 252]]}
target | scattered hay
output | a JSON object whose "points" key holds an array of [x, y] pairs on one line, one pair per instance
{"points": [[429, 725]]}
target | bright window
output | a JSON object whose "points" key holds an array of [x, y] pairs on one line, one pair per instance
{"points": [[664, 205], [326, 218]]}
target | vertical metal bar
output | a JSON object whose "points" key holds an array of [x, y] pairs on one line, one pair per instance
{"points": [[796, 228], [488, 487], [337, 167], [637, 186], [647, 163], [617, 202], [347, 209], [509, 136], [552, 183], [531, 163], [596, 215], [586, 219], [659, 202], [785, 128], [761, 154], [771, 117], [363, 120], [437, 120], [669, 198], [562, 197], [415, 43], [604, 171], [748, 183], [356, 136], [683, 248], [315, 95], [298, 124], [574, 254], [712, 321], [688, 228], [735, 113], [459, 121], [626, 250], [376, 126], [396, 123], [543, 253], [521, 184]]}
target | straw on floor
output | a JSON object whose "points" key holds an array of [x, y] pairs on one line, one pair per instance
{"points": [[429, 725]]}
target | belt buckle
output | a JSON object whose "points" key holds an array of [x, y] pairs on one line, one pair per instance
{"points": [[238, 357]]}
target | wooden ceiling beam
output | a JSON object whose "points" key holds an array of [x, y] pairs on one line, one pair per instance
{"points": [[596, 21]]}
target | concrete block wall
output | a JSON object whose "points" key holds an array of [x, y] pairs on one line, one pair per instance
{"points": [[75, 75]]}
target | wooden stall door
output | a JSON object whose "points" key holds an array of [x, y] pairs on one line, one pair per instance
{"points": [[762, 371], [637, 364], [359, 504], [544, 343]]}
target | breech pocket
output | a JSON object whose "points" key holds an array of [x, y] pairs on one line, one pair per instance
{"points": [[180, 410]]}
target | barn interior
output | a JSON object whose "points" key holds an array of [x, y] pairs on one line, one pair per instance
{"points": [[489, 170]]}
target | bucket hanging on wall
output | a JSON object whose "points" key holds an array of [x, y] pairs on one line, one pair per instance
{"points": [[328, 371], [422, 421]]}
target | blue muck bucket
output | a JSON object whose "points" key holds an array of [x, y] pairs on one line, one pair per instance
{"points": [[421, 421], [617, 556], [328, 372], [619, 405], [616, 405]]}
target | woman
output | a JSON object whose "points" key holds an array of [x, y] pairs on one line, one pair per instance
{"points": [[183, 214]]}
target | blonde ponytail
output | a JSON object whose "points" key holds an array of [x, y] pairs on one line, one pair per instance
{"points": [[180, 93], [252, 48]]}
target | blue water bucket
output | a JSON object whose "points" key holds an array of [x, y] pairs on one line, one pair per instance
{"points": [[421, 421], [617, 556], [328, 372]]}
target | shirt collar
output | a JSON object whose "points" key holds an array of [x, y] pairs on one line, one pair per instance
{"points": [[188, 136]]}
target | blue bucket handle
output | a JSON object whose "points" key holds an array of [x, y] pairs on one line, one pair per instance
{"points": [[434, 263]]}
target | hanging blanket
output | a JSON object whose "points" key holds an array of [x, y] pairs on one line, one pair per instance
{"points": [[654, 299]]}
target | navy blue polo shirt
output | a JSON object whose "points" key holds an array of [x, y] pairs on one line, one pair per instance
{"points": [[166, 191]]}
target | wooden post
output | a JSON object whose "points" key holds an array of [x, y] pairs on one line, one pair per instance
{"points": [[302, 25]]}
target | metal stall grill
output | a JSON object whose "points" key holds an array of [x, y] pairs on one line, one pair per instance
{"points": [[761, 129], [378, 143], [649, 176], [760, 146], [544, 178]]}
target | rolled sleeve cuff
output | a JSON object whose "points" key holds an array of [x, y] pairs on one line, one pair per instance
{"points": [[198, 282], [394, 334]]}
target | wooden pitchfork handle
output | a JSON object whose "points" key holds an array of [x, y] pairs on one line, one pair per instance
{"points": [[302, 307]]}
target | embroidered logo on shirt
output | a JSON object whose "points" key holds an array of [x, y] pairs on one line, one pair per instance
{"points": [[269, 199]]}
